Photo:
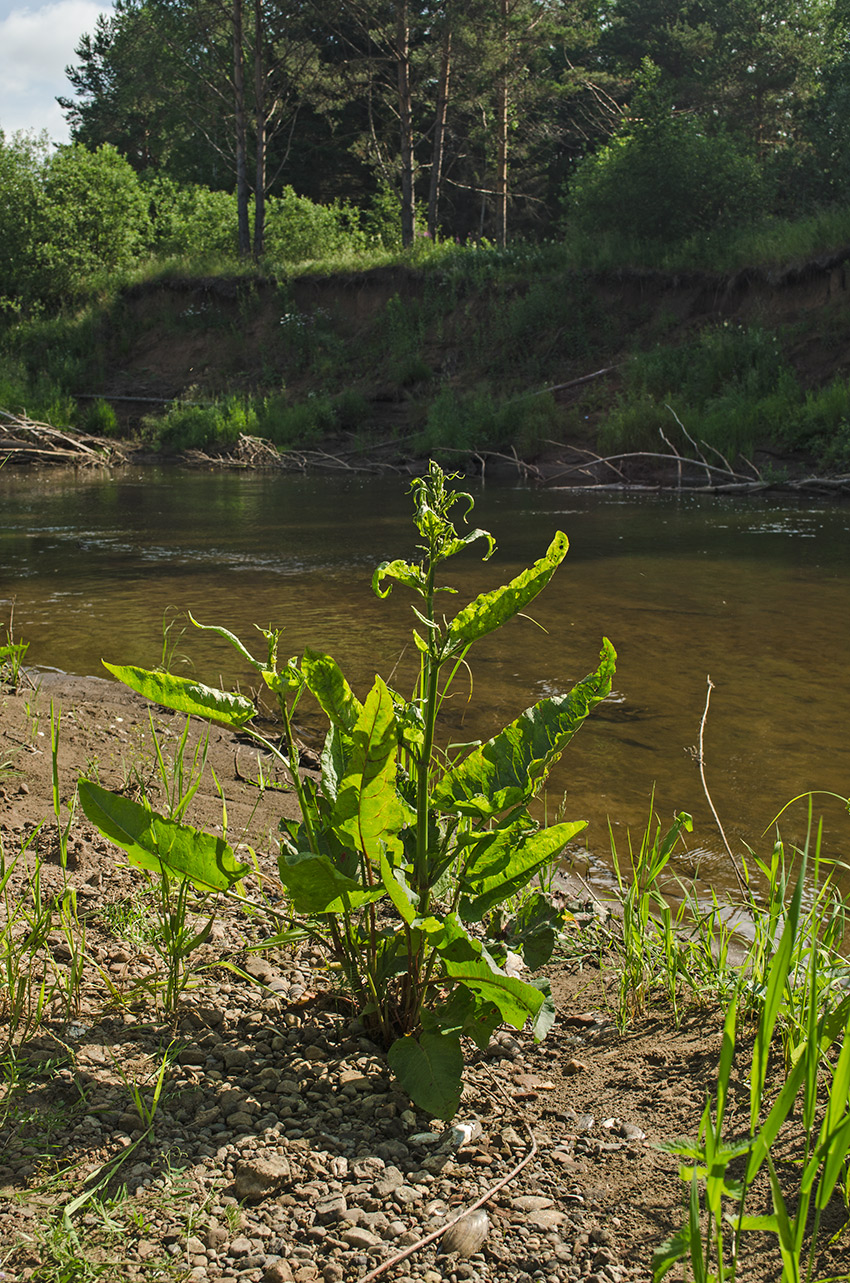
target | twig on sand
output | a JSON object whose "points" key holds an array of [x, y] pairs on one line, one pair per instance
{"points": [[485, 1198]]}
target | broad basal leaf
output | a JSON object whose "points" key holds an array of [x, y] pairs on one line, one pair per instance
{"points": [[316, 885], [185, 696], [506, 770], [497, 880], [151, 841], [430, 1070], [492, 609], [516, 1000]]}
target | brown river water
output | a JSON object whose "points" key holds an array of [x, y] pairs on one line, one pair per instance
{"points": [[753, 593]]}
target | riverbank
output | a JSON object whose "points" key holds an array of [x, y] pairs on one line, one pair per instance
{"points": [[256, 1134], [522, 362]]}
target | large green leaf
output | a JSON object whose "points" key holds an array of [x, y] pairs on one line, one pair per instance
{"points": [[545, 1018], [499, 879], [325, 679], [430, 1070], [516, 1000], [185, 696], [492, 609], [151, 841], [403, 898], [368, 809], [316, 885], [506, 770]]}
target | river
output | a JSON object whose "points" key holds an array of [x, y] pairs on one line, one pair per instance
{"points": [[753, 593]]}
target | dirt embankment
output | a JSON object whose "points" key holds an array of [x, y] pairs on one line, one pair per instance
{"points": [[398, 337]]}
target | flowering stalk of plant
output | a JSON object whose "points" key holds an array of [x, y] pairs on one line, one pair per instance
{"points": [[401, 858]]}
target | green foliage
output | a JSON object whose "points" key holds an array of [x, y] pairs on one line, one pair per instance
{"points": [[203, 427], [100, 419], [665, 177], [301, 423], [460, 422], [730, 387], [190, 221], [66, 217], [404, 856], [298, 230], [794, 978]]}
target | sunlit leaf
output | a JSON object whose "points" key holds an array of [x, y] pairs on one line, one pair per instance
{"points": [[368, 808], [185, 695], [506, 770], [152, 841], [316, 885], [430, 1069], [492, 609], [325, 679]]}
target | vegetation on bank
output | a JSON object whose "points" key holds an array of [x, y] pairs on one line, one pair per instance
{"points": [[511, 164], [416, 870]]}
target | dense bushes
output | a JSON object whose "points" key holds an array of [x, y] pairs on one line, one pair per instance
{"points": [[665, 177], [71, 219]]}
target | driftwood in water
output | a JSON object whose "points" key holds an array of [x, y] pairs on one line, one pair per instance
{"points": [[256, 452], [683, 474], [22, 440]]}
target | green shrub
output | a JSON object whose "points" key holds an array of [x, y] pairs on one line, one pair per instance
{"points": [[460, 422], [192, 222], [203, 427], [298, 230], [303, 423], [665, 177], [100, 419], [730, 387]]}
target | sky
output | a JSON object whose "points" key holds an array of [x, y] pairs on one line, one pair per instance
{"points": [[37, 42]]}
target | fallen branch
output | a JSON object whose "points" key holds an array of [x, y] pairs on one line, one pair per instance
{"points": [[23, 440], [432, 1238]]}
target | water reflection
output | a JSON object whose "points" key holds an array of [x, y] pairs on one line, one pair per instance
{"points": [[755, 594]]}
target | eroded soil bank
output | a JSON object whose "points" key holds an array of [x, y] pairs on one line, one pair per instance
{"points": [[386, 345], [280, 1149]]}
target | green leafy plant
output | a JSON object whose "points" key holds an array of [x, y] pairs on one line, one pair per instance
{"points": [[12, 656], [649, 943], [27, 982], [403, 855], [797, 995]]}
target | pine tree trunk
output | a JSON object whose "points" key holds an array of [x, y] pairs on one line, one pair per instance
{"points": [[405, 112], [502, 137], [439, 132], [241, 133], [260, 112]]}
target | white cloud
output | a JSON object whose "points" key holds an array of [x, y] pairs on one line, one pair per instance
{"points": [[36, 45]]}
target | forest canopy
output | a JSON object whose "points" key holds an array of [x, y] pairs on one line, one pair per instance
{"points": [[487, 118], [290, 130]]}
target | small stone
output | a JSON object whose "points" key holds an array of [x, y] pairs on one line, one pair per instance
{"points": [[330, 1208], [279, 1272], [531, 1203], [333, 1272], [240, 1246], [258, 1177], [467, 1235], [575, 1066], [630, 1131], [548, 1218], [358, 1237]]}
